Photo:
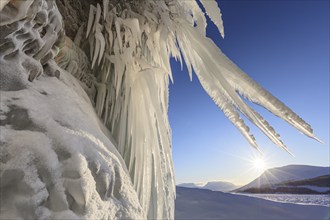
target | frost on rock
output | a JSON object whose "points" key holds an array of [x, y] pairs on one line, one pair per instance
{"points": [[121, 58], [57, 160]]}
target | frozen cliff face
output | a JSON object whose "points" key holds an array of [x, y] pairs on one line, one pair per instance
{"points": [[57, 161], [121, 58]]}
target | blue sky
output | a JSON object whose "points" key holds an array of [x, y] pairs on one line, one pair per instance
{"points": [[284, 46]]}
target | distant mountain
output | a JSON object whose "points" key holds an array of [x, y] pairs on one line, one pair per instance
{"points": [[206, 204], [320, 181], [222, 186], [298, 179], [317, 185], [287, 173], [190, 185]]}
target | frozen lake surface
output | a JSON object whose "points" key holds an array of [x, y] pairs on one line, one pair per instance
{"points": [[323, 200]]}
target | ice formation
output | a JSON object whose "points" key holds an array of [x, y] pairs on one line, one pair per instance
{"points": [[121, 58], [57, 160]]}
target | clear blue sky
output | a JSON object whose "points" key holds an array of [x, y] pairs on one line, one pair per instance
{"points": [[284, 46]]}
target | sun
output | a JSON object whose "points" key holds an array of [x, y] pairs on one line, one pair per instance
{"points": [[259, 163]]}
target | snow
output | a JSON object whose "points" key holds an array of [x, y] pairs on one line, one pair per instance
{"points": [[287, 173], [56, 162], [206, 204], [321, 200]]}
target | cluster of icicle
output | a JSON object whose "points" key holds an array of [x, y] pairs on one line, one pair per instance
{"points": [[130, 46]]}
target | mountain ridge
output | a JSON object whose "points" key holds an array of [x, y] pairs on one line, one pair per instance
{"points": [[223, 186], [295, 179], [293, 172]]}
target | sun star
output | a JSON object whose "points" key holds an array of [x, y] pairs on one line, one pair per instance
{"points": [[259, 163]]}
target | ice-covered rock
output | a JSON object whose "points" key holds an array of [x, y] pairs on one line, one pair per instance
{"points": [[57, 159]]}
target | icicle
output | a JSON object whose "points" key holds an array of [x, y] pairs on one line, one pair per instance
{"points": [[92, 11], [96, 51], [197, 14], [214, 13], [105, 8], [209, 53], [97, 16], [100, 38], [101, 95]]}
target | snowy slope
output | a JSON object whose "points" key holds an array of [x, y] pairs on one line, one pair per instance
{"points": [[286, 173], [206, 204]]}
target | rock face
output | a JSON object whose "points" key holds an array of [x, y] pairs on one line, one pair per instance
{"points": [[57, 161]]}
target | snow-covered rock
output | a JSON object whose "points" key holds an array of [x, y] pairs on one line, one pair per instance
{"points": [[56, 160]]}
